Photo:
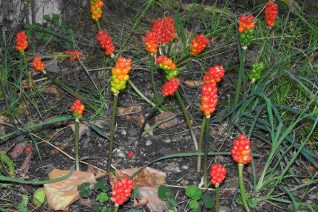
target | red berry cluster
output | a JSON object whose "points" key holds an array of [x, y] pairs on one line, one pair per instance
{"points": [[214, 74], [209, 98], [122, 190], [78, 108], [163, 31], [241, 152], [74, 54], [199, 44], [166, 63], [120, 74], [217, 173], [96, 9], [170, 87], [271, 12], [105, 42], [246, 23], [38, 65], [21, 41], [151, 42]]}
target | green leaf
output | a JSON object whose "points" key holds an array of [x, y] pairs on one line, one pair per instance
{"points": [[102, 197], [194, 205], [207, 201], [165, 193], [47, 17], [22, 206], [134, 193], [101, 185], [193, 192], [84, 190]]}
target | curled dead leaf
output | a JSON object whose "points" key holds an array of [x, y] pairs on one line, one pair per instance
{"points": [[83, 129], [154, 203], [139, 203], [25, 165], [193, 83], [128, 110], [171, 123], [18, 150]]}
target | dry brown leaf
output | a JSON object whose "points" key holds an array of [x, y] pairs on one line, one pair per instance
{"points": [[154, 203], [83, 128], [25, 165], [139, 120], [61, 147], [140, 203], [18, 150], [97, 173], [148, 177], [193, 83], [63, 193], [3, 119], [86, 202], [171, 123], [128, 110], [54, 90]]}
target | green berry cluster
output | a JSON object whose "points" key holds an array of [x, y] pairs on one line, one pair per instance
{"points": [[247, 37], [256, 71]]}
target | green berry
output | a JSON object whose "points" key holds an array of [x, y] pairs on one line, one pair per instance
{"points": [[39, 197]]}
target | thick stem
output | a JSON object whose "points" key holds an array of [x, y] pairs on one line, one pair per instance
{"points": [[240, 76], [116, 208], [200, 144], [188, 120], [76, 136], [143, 96], [217, 198], [242, 187], [97, 24], [112, 132], [206, 151], [152, 75]]}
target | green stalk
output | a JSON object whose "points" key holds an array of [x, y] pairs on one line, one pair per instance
{"points": [[116, 208], [28, 72], [76, 136], [200, 144], [206, 150], [240, 75], [217, 198], [242, 187], [112, 132], [187, 118], [97, 24], [152, 74], [143, 96]]}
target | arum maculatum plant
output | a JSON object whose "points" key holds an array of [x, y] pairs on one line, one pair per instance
{"points": [[21, 46], [121, 191], [209, 99], [78, 109], [241, 154], [271, 13], [218, 174]]}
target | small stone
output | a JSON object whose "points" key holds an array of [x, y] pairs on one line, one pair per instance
{"points": [[167, 141], [185, 167], [148, 142], [124, 132], [120, 153]]}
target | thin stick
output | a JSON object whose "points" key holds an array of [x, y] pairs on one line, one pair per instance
{"points": [[112, 132]]}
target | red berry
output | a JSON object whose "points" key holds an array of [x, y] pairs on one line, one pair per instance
{"points": [[241, 152], [130, 155], [28, 149], [271, 13], [105, 42], [199, 44], [214, 74], [217, 174], [21, 41], [209, 98], [164, 30]]}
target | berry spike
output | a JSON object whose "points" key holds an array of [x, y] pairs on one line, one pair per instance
{"points": [[199, 44], [241, 152], [214, 74], [217, 173], [122, 190], [170, 87], [271, 13]]}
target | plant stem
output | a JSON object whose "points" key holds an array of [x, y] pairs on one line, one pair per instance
{"points": [[240, 75], [217, 198], [97, 24], [112, 132], [242, 187], [152, 75], [200, 144], [206, 150], [143, 96], [76, 135], [187, 118], [116, 208]]}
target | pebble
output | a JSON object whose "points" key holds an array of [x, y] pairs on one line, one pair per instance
{"points": [[120, 153], [185, 167], [167, 141], [124, 132], [148, 142], [172, 167]]}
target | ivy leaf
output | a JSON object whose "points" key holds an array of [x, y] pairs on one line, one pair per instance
{"points": [[102, 197], [193, 192], [207, 201], [101, 185], [84, 190]]}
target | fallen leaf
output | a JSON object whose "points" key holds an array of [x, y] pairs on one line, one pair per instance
{"points": [[54, 90], [97, 173], [83, 129], [51, 66], [98, 123], [61, 147], [193, 83], [63, 193], [140, 203], [128, 110], [25, 165], [3, 119], [171, 123], [154, 203], [148, 177], [139, 120], [18, 150]]}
